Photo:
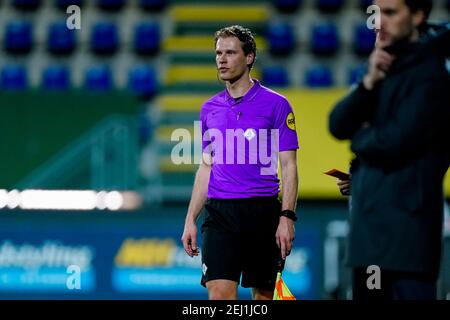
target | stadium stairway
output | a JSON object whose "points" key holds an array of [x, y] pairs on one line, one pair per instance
{"points": [[191, 77]]}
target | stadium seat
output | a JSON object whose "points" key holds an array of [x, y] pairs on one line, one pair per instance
{"points": [[330, 6], [13, 77], [325, 39], [152, 5], [26, 5], [145, 127], [319, 77], [287, 6], [142, 80], [104, 38], [60, 40], [99, 78], [111, 5], [356, 73], [18, 37], [363, 39], [56, 77], [281, 38], [63, 4], [275, 76], [147, 38]]}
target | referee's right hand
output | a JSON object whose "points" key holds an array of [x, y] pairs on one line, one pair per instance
{"points": [[189, 239]]}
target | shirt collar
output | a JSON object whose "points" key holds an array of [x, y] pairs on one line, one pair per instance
{"points": [[248, 96]]}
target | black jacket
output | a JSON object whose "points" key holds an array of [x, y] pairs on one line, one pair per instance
{"points": [[403, 152]]}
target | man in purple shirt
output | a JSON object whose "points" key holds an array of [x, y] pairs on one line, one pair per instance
{"points": [[246, 128]]}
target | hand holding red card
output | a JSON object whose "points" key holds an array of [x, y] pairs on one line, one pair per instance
{"points": [[338, 174]]}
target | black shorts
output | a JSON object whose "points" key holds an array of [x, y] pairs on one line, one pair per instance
{"points": [[238, 237]]}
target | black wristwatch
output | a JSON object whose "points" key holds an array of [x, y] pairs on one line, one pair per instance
{"points": [[289, 214]]}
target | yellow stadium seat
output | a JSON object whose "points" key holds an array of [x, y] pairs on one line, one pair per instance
{"points": [[216, 13], [181, 102]]}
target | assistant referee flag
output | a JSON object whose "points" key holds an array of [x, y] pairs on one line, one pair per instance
{"points": [[281, 291]]}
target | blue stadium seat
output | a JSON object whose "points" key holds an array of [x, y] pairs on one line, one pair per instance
{"points": [[325, 39], [281, 38], [356, 73], [153, 5], [99, 78], [13, 77], [287, 6], [330, 6], [319, 76], [142, 80], [63, 4], [104, 38], [56, 77], [111, 5], [26, 4], [147, 38], [60, 40], [363, 40], [275, 76], [145, 126], [18, 37]]}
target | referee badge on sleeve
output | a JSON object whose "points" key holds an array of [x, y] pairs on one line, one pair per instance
{"points": [[290, 121]]}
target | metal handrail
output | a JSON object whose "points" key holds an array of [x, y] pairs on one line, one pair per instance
{"points": [[109, 151]]}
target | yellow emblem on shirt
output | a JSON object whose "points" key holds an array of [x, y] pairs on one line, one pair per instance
{"points": [[290, 121]]}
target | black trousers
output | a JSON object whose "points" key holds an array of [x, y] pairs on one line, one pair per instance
{"points": [[395, 285]]}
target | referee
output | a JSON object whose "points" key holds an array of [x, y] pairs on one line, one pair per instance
{"points": [[245, 228]]}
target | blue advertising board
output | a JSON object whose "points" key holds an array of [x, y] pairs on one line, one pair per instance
{"points": [[136, 261]]}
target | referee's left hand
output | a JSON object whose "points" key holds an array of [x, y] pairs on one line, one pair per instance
{"points": [[285, 236]]}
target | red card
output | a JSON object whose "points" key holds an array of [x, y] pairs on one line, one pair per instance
{"points": [[338, 174]]}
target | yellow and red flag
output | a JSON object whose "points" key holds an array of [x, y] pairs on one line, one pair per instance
{"points": [[281, 291]]}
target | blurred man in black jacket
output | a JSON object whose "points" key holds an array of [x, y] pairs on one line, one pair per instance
{"points": [[398, 121]]}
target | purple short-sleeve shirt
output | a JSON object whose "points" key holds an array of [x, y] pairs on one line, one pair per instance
{"points": [[244, 137]]}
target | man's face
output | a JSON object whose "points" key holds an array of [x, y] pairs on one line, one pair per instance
{"points": [[397, 22], [230, 59]]}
